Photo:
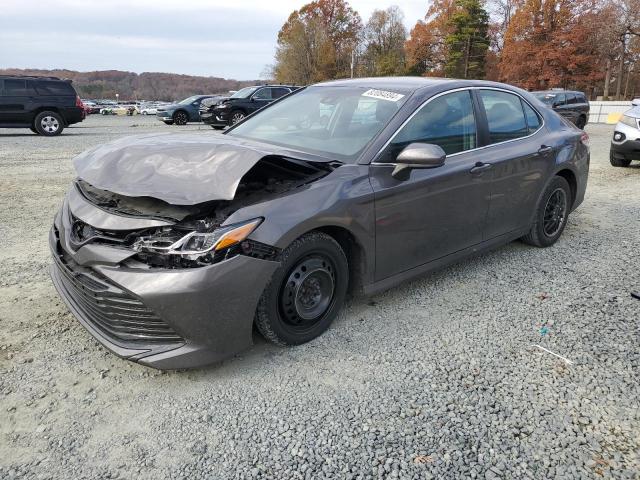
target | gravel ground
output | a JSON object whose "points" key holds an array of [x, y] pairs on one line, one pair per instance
{"points": [[433, 379]]}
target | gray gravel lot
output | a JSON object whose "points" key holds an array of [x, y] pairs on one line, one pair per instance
{"points": [[434, 379]]}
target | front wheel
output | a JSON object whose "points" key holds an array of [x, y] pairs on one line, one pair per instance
{"points": [[617, 161], [48, 123], [551, 215], [305, 293], [237, 116], [180, 118]]}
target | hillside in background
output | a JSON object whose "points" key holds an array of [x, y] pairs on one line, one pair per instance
{"points": [[133, 86]]}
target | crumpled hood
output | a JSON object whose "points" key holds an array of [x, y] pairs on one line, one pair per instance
{"points": [[181, 169]]}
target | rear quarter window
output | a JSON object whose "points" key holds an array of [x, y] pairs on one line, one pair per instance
{"points": [[45, 87]]}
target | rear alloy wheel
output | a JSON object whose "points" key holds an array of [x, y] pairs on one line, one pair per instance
{"points": [[551, 214], [305, 293], [48, 123], [617, 161], [237, 116], [180, 118]]}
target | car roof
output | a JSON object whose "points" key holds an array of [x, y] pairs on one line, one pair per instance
{"points": [[555, 92]]}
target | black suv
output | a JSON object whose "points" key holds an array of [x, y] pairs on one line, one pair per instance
{"points": [[572, 105], [46, 105], [231, 110]]}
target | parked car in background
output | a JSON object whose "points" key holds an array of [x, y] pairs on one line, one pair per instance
{"points": [[169, 249], [90, 107], [235, 108], [187, 110], [572, 105], [625, 144], [150, 108], [46, 105]]}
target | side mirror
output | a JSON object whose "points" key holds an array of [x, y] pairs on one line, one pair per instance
{"points": [[418, 155], [635, 102]]}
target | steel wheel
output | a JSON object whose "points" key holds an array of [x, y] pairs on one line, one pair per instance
{"points": [[236, 117], [308, 292], [50, 124], [555, 212]]}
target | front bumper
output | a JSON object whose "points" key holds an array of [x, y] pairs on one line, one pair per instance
{"points": [[166, 319], [216, 118], [164, 115], [627, 150]]}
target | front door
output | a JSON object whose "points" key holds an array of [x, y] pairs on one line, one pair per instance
{"points": [[434, 212], [260, 99]]}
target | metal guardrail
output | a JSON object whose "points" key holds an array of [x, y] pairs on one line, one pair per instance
{"points": [[600, 111]]}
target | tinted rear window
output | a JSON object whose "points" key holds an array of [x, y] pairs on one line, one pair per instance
{"points": [[14, 87], [48, 87]]}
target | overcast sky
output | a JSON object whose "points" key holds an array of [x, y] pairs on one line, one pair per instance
{"points": [[231, 39]]}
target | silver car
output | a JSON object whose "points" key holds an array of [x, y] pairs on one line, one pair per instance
{"points": [[625, 144]]}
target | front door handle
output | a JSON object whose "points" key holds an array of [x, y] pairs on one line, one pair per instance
{"points": [[480, 167], [544, 149]]}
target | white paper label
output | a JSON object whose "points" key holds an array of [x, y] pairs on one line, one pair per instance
{"points": [[383, 95]]}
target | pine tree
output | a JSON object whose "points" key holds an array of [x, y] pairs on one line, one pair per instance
{"points": [[468, 41]]}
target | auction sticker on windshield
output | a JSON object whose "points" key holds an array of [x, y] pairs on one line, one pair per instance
{"points": [[383, 95]]}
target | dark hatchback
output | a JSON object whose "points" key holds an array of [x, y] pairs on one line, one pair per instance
{"points": [[572, 105], [231, 110], [45, 105], [170, 249]]}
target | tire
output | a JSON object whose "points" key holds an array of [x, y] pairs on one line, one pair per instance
{"points": [[618, 162], [289, 315], [144, 113], [217, 127], [48, 123], [237, 116], [581, 123], [552, 213], [180, 118], [33, 129]]}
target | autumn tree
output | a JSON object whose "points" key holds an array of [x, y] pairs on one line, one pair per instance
{"points": [[549, 44], [426, 48], [317, 42], [468, 40], [383, 48]]}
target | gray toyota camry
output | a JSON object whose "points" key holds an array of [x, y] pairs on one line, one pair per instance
{"points": [[171, 248]]}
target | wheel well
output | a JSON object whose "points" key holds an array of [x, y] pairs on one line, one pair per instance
{"points": [[570, 177], [354, 252]]}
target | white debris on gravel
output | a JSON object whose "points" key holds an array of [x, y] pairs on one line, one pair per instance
{"points": [[433, 379]]}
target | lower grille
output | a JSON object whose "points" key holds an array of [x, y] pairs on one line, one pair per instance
{"points": [[114, 311]]}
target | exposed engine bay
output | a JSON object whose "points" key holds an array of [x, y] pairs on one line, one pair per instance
{"points": [[195, 232]]}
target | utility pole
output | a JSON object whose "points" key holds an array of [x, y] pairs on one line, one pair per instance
{"points": [[353, 59]]}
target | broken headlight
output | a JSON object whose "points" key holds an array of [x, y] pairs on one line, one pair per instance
{"points": [[175, 248]]}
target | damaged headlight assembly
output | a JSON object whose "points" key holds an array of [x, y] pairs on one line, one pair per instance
{"points": [[174, 248]]}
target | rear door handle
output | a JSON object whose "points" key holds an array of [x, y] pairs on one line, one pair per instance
{"points": [[544, 149], [480, 167]]}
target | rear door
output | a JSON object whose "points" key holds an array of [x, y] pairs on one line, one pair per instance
{"points": [[434, 212], [518, 156], [15, 101]]}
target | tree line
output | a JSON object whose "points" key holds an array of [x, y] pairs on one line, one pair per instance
{"points": [[589, 45], [132, 86]]}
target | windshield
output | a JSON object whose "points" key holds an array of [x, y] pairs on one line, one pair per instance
{"points": [[189, 100], [547, 98], [244, 93], [336, 122]]}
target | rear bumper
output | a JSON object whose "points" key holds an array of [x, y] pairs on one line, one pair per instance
{"points": [[73, 115], [172, 319]]}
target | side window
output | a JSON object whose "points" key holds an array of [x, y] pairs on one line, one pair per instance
{"points": [[533, 119], [45, 87], [263, 94], [278, 92], [582, 98], [560, 100], [14, 87], [505, 117], [447, 121], [571, 98]]}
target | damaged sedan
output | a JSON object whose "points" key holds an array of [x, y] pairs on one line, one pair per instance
{"points": [[171, 248]]}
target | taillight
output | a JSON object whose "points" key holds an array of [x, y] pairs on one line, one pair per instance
{"points": [[79, 102], [584, 138]]}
